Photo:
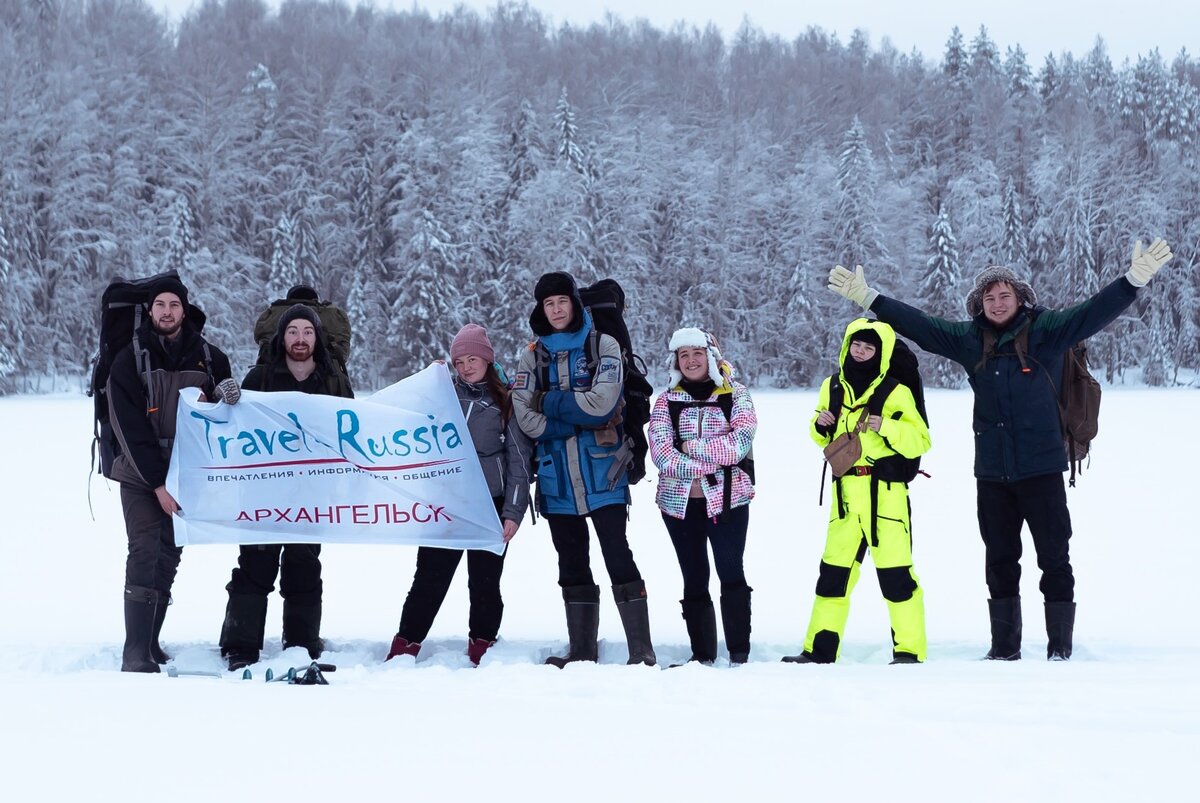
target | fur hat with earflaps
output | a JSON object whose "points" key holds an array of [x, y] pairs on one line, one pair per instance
{"points": [[695, 338], [990, 276]]}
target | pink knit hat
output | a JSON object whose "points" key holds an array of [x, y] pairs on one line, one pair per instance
{"points": [[472, 341]]}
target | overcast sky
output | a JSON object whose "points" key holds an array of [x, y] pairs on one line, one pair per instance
{"points": [[1040, 26]]}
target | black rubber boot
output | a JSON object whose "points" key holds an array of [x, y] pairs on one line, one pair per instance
{"points": [[735, 618], [242, 631], [302, 627], [582, 605], [160, 613], [1006, 629], [635, 618], [140, 607], [701, 619], [1060, 629]]}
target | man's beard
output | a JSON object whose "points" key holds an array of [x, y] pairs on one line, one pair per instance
{"points": [[300, 352], [168, 332]]}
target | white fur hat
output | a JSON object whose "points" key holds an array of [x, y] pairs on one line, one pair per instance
{"points": [[695, 338]]}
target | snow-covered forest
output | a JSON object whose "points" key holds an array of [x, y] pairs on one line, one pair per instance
{"points": [[423, 172]]}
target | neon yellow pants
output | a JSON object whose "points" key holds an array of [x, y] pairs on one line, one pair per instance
{"points": [[846, 544]]}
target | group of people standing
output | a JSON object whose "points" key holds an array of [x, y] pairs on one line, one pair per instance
{"points": [[561, 418]]}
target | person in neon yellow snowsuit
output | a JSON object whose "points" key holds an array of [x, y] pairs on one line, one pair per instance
{"points": [[858, 523]]}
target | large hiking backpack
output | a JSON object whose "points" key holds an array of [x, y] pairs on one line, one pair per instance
{"points": [[903, 370], [724, 403], [335, 330], [122, 308], [605, 301], [1077, 394]]}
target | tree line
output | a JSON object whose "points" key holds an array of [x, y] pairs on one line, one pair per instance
{"points": [[423, 171]]}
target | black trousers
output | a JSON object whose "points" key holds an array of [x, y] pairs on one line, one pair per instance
{"points": [[435, 571], [691, 537], [153, 558], [298, 567], [1040, 502], [570, 537]]}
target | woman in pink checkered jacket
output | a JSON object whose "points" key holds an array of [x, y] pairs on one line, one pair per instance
{"points": [[701, 433]]}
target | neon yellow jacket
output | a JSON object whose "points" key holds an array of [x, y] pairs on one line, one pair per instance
{"points": [[903, 430]]}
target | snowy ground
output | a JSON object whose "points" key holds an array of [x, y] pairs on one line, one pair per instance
{"points": [[1120, 721]]}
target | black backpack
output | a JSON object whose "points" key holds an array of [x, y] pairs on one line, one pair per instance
{"points": [[724, 403], [605, 301], [903, 370], [122, 309]]}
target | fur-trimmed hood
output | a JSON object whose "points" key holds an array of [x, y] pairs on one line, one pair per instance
{"points": [[990, 276]]}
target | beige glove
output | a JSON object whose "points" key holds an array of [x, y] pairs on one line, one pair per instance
{"points": [[852, 286], [1146, 263]]}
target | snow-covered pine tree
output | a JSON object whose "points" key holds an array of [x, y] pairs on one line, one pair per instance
{"points": [[857, 238], [568, 134], [181, 242], [939, 293], [1017, 72], [10, 332], [1015, 247], [283, 256]]}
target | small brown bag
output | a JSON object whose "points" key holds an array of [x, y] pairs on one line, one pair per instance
{"points": [[846, 449]]}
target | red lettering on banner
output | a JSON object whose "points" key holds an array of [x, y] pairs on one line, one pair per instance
{"points": [[400, 516], [244, 516], [386, 509], [282, 515], [356, 517], [303, 515], [417, 518], [317, 511], [262, 513], [439, 513]]}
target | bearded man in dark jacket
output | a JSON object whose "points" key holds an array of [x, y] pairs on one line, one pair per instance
{"points": [[299, 362], [1020, 453], [167, 354]]}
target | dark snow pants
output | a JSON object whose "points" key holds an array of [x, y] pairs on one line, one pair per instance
{"points": [[299, 572], [570, 537], [1040, 502], [153, 557], [435, 571], [691, 537]]}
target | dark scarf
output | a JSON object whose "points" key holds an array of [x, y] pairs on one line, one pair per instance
{"points": [[860, 375], [699, 391]]}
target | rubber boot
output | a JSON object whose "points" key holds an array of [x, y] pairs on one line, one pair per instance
{"points": [[402, 646], [476, 647], [701, 620], [302, 627], [242, 631], [1006, 629], [160, 613], [582, 605], [140, 607], [635, 617], [1060, 628], [735, 618]]}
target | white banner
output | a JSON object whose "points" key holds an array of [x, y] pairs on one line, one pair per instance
{"points": [[278, 468]]}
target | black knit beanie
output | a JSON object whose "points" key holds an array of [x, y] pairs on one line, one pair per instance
{"points": [[168, 284], [555, 284]]}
